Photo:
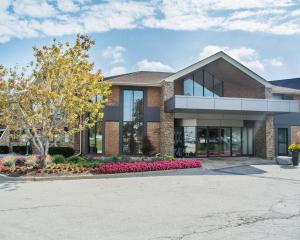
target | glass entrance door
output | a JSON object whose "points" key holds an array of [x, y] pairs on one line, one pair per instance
{"points": [[225, 142], [201, 142], [213, 142]]}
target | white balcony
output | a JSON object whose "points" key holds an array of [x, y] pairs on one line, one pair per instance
{"points": [[190, 103]]}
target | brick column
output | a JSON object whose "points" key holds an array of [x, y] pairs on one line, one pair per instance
{"points": [[166, 121], [270, 137]]}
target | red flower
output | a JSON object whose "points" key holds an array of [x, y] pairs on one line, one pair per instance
{"points": [[147, 166]]}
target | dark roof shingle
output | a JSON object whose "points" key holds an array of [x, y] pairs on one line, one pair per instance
{"points": [[139, 78], [288, 83]]}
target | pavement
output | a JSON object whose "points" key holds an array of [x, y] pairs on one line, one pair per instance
{"points": [[221, 201]]}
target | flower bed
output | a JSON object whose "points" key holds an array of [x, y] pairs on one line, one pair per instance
{"points": [[146, 166]]}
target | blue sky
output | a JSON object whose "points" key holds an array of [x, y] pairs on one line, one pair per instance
{"points": [[159, 35]]}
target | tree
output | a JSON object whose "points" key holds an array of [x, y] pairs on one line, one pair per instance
{"points": [[148, 148], [53, 96]]}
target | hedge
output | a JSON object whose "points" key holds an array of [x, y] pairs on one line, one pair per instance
{"points": [[65, 151]]}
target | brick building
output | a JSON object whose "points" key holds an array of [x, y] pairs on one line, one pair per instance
{"points": [[215, 107]]}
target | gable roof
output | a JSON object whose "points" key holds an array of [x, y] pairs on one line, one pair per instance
{"points": [[288, 83], [213, 58], [140, 78]]}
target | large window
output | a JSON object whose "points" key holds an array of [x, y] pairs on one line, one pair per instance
{"points": [[133, 118], [95, 138], [202, 83], [282, 141]]}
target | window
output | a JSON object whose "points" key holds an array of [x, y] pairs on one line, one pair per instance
{"points": [[188, 87], [133, 118], [202, 83], [282, 141], [95, 138], [282, 97]]}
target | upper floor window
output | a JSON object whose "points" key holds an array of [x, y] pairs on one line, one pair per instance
{"points": [[202, 83], [282, 97]]}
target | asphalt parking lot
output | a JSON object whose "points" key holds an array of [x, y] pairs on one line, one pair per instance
{"points": [[232, 202]]}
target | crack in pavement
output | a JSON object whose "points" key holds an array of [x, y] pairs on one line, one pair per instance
{"points": [[31, 208]]}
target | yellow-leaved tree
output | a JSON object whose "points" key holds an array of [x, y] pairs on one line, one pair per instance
{"points": [[56, 96]]}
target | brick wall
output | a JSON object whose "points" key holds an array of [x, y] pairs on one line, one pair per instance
{"points": [[114, 97], [178, 87], [295, 134], [153, 132], [111, 138], [153, 97]]}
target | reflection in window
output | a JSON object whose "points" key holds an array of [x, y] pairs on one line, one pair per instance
{"points": [[202, 83], [190, 141], [95, 138], [188, 87], [133, 127], [198, 83]]}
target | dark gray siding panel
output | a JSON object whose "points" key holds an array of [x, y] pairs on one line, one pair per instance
{"points": [[152, 114], [289, 119], [112, 113]]}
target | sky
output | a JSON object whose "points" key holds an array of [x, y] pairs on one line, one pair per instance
{"points": [[158, 35]]}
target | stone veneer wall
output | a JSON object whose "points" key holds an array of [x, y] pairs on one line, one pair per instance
{"points": [[260, 139], [270, 137], [167, 121]]}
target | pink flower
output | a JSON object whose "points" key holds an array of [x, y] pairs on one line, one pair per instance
{"points": [[147, 166]]}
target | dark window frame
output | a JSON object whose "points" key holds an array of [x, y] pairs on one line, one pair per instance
{"points": [[191, 76]]}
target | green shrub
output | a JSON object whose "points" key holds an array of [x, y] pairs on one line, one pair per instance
{"points": [[65, 151], [9, 164], [75, 159], [113, 159], [58, 159], [4, 149], [169, 158]]}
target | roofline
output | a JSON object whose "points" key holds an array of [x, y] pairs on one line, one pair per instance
{"points": [[116, 76], [213, 58], [122, 83], [285, 90]]}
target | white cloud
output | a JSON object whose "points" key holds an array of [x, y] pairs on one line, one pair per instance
{"points": [[117, 71], [67, 6], [275, 62], [247, 56], [114, 54], [34, 8], [35, 18], [146, 65]]}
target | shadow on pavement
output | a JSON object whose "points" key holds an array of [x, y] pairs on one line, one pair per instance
{"points": [[6, 185]]}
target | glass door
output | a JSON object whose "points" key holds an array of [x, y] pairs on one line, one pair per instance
{"points": [[282, 141], [236, 141], [190, 141], [225, 142], [213, 142], [201, 142], [247, 141]]}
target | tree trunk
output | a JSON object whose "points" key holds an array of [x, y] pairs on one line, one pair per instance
{"points": [[43, 161]]}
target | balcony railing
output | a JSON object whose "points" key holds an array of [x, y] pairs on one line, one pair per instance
{"points": [[188, 103]]}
